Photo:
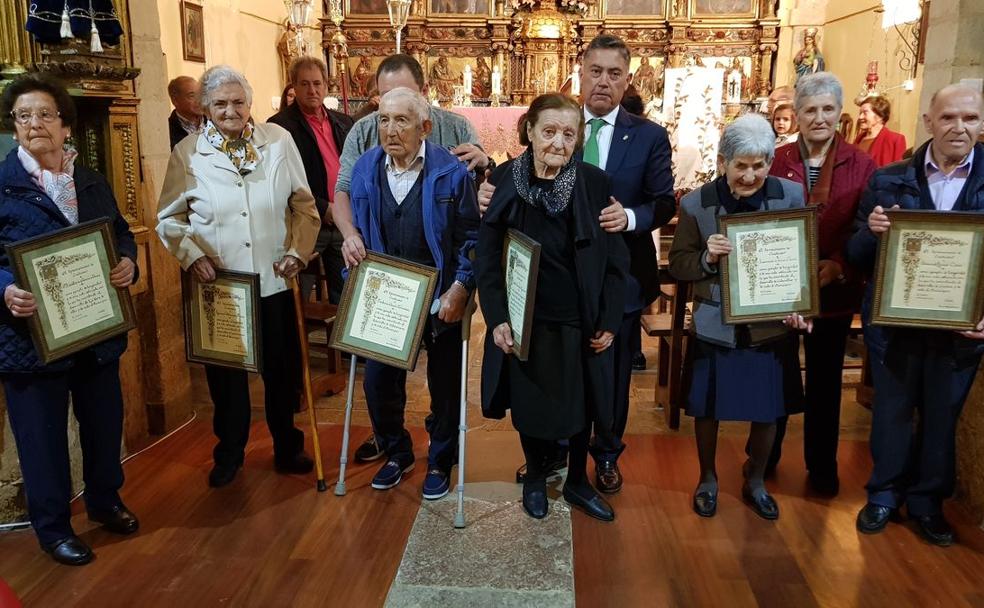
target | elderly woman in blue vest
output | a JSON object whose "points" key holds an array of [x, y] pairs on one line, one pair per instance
{"points": [[739, 372], [43, 191], [416, 201]]}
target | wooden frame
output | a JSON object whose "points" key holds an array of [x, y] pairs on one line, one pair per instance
{"points": [[384, 309], [192, 32], [518, 250], [770, 228], [72, 317], [242, 313], [945, 293]]}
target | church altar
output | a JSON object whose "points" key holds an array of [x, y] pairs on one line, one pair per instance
{"points": [[496, 129]]}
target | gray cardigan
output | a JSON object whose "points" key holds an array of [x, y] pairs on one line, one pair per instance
{"points": [[699, 212]]}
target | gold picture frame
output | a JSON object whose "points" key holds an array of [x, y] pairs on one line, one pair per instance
{"points": [[520, 269], [222, 320], [192, 32]]}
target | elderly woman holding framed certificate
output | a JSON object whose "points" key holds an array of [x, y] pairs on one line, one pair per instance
{"points": [[236, 198], [44, 192], [743, 370], [556, 370]]}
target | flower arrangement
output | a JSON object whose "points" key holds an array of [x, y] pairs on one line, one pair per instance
{"points": [[576, 7]]}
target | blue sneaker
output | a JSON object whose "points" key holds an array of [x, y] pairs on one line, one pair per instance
{"points": [[437, 484], [391, 473]]}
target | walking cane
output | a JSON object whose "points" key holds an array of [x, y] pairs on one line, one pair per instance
{"points": [[343, 460], [295, 286], [459, 517]]}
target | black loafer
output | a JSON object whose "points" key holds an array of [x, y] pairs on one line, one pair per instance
{"points": [[118, 520], [590, 501], [764, 506], [222, 474], [608, 477], [639, 362], [295, 464], [705, 503], [873, 518], [70, 551], [935, 529], [369, 450], [535, 499]]}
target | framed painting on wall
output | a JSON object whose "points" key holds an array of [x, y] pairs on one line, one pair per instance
{"points": [[722, 8], [459, 7], [192, 32], [622, 8], [366, 7]]}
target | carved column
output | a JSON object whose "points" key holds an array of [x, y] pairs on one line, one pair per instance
{"points": [[15, 46]]}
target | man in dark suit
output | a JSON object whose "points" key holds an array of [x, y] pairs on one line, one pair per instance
{"points": [[319, 134], [186, 118], [642, 201]]}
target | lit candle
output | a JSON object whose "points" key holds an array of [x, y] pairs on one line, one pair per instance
{"points": [[467, 80], [496, 81], [576, 80]]}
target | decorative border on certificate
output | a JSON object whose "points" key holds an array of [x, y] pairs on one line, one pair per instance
{"points": [[521, 267], [772, 269], [928, 272], [68, 273], [222, 320], [383, 310]]}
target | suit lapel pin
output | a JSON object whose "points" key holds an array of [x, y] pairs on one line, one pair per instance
{"points": [[625, 138]]}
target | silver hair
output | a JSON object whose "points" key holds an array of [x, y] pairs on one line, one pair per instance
{"points": [[748, 135], [218, 75], [821, 83], [418, 104]]}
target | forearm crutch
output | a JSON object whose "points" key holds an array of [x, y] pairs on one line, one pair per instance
{"points": [[295, 285], [459, 517], [343, 460]]}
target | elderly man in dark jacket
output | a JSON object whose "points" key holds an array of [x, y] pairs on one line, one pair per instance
{"points": [[925, 369]]}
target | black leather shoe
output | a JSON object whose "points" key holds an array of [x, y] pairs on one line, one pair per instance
{"points": [[118, 520], [70, 551], [607, 476], [873, 518], [705, 503], [535, 499], [935, 530], [824, 485], [764, 506], [222, 474], [369, 450], [553, 467], [590, 501], [639, 362], [295, 464]]}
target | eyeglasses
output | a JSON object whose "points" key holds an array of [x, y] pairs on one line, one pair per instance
{"points": [[23, 117]]}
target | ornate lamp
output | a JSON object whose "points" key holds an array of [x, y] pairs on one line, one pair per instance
{"points": [[399, 11], [298, 14]]}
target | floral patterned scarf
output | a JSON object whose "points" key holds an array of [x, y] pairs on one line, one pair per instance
{"points": [[241, 151], [554, 201], [58, 185]]}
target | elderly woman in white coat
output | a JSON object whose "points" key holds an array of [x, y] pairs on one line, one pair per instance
{"points": [[236, 198]]}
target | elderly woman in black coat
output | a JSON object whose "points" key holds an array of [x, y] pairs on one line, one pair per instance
{"points": [[567, 381]]}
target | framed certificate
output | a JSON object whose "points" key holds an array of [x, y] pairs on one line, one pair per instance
{"points": [[383, 310], [929, 270], [68, 273], [521, 265], [771, 271], [222, 320]]}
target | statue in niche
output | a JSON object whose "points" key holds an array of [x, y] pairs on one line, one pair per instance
{"points": [[288, 47], [482, 83], [443, 78], [644, 80], [548, 75], [809, 60], [362, 78], [736, 82]]}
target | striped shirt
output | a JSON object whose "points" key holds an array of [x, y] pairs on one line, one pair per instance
{"points": [[814, 176]]}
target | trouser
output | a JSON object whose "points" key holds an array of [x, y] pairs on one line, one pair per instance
{"points": [[607, 443], [386, 397], [824, 348], [916, 466], [38, 408], [539, 451], [229, 388]]}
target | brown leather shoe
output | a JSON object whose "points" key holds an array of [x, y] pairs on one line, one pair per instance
{"points": [[608, 478]]}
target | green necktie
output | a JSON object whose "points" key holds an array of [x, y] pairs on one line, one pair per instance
{"points": [[591, 155]]}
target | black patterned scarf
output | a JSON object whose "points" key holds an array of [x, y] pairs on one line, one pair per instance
{"points": [[554, 201]]}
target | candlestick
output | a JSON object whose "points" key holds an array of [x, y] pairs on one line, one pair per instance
{"points": [[496, 81], [576, 80]]}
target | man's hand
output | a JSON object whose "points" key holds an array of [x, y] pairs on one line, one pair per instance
{"points": [[122, 275], [976, 334], [203, 269], [798, 322], [502, 337], [601, 341], [830, 271], [613, 217], [878, 221], [717, 245], [471, 155], [287, 267], [485, 192], [453, 303], [20, 303], [353, 250]]}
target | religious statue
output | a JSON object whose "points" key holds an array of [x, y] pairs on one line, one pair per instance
{"points": [[443, 78], [809, 60], [644, 80], [288, 47], [482, 83], [548, 75], [736, 82], [362, 78]]}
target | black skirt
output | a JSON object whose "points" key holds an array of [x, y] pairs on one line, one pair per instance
{"points": [[546, 392]]}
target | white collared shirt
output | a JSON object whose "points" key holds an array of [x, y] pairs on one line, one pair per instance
{"points": [[605, 134], [401, 182], [946, 188]]}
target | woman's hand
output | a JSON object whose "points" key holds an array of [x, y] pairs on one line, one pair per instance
{"points": [[287, 267], [976, 334], [502, 337], [717, 245], [353, 250], [20, 303], [122, 275], [601, 341], [878, 220], [798, 322], [203, 269]]}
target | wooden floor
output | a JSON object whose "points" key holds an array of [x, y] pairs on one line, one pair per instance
{"points": [[271, 540]]}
